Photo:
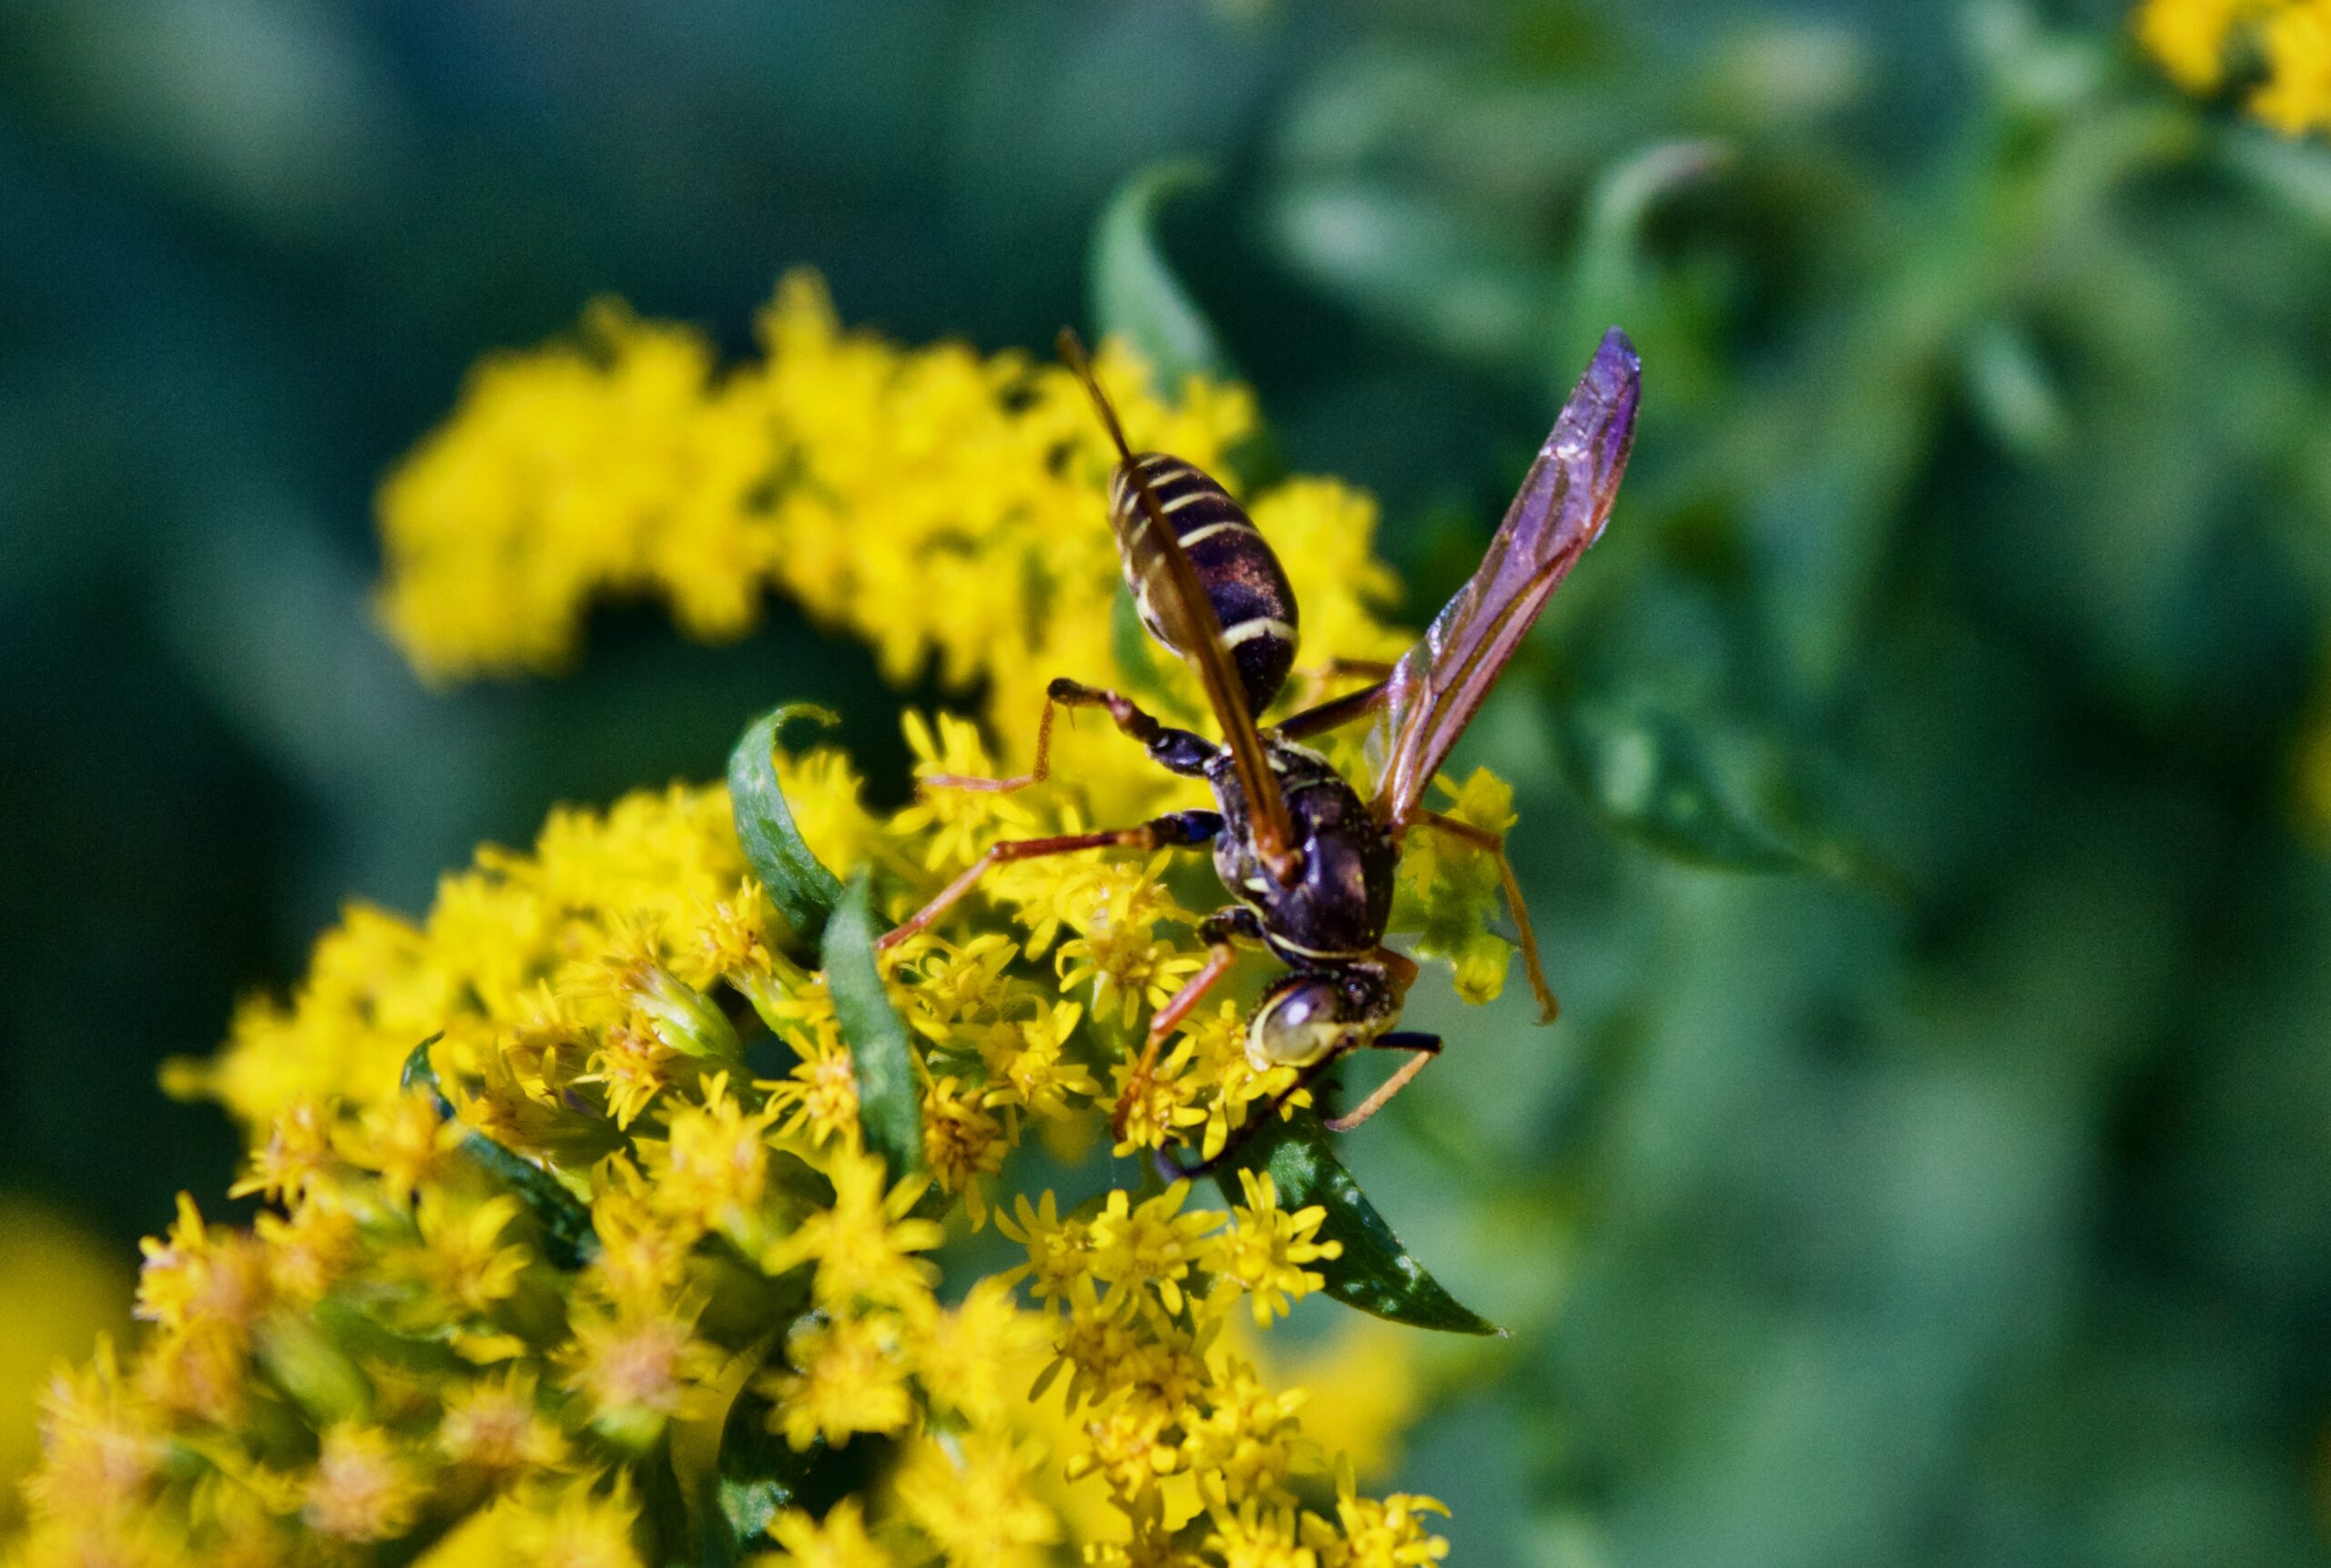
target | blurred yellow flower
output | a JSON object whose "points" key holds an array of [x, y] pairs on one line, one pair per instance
{"points": [[60, 1294], [2193, 39]]}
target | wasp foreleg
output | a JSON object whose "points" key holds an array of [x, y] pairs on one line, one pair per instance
{"points": [[1425, 1046], [1174, 830], [1176, 749], [1493, 844], [1217, 930]]}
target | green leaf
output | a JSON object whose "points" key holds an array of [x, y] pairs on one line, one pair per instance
{"points": [[2009, 386], [800, 886], [761, 1473], [568, 1240], [1136, 294], [1422, 269], [1647, 777], [889, 1108], [1375, 1272], [1615, 279]]}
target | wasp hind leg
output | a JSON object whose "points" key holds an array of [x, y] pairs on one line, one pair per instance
{"points": [[1493, 844], [1175, 830], [1337, 712], [1170, 746]]}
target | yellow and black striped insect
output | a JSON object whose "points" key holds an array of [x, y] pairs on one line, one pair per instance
{"points": [[1307, 861]]}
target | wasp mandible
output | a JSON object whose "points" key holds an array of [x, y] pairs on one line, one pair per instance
{"points": [[1307, 862]]}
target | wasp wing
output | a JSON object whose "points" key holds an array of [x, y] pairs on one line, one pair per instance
{"points": [[1176, 600], [1441, 682]]}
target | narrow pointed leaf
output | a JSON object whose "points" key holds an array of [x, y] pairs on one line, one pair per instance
{"points": [[1375, 1273], [568, 1240], [798, 883], [889, 1109], [1136, 295]]}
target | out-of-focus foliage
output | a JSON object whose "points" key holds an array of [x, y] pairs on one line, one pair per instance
{"points": [[1958, 1203]]}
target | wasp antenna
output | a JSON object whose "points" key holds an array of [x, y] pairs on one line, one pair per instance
{"points": [[1073, 355]]}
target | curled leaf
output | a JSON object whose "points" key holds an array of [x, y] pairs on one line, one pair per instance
{"points": [[1374, 1272], [889, 1109], [1614, 273], [1422, 268], [1136, 295], [800, 886]]}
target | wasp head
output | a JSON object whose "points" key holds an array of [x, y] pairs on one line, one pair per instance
{"points": [[1315, 1013]]}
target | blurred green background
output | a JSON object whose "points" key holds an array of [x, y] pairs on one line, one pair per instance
{"points": [[1929, 1166]]}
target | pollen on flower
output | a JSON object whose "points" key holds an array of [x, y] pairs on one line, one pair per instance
{"points": [[712, 1170], [962, 1145], [1264, 1251], [579, 1525], [635, 1368], [1027, 1065], [975, 1498], [497, 1428], [1118, 950], [404, 1139], [865, 1246], [837, 1540], [362, 1488], [1390, 1533], [1159, 1107], [956, 826], [975, 1361], [849, 1376], [101, 1445], [819, 1101], [298, 1150], [1153, 1244], [460, 1266], [194, 1275]]}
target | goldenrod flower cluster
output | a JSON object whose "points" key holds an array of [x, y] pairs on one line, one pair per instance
{"points": [[2291, 39], [607, 1270]]}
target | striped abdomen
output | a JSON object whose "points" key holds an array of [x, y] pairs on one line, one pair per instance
{"points": [[1242, 577]]}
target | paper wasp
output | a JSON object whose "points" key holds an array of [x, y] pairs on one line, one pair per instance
{"points": [[1307, 862]]}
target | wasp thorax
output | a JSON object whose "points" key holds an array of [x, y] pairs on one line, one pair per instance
{"points": [[1310, 1015]]}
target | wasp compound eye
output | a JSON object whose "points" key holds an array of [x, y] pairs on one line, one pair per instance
{"points": [[1301, 1019]]}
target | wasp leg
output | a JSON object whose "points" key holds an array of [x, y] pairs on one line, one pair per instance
{"points": [[1172, 830], [1402, 968], [1172, 748], [1334, 714], [1495, 843], [1173, 1169], [1425, 1046], [1217, 932]]}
